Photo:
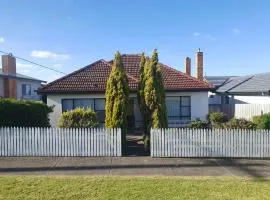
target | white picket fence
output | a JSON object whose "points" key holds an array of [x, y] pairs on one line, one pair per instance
{"points": [[175, 142], [60, 142]]}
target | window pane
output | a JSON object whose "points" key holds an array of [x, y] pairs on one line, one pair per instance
{"points": [[99, 104], [23, 89], [185, 101], [185, 111], [26, 89], [83, 103], [173, 106], [67, 104]]}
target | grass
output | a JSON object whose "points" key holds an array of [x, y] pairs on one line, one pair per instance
{"points": [[12, 187]]}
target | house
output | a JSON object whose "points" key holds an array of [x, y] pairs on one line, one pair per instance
{"points": [[231, 91], [186, 96], [14, 85]]}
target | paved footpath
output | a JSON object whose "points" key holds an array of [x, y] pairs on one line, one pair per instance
{"points": [[134, 166]]}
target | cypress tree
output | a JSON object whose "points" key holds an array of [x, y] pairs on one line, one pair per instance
{"points": [[159, 114], [117, 95], [153, 94], [140, 95]]}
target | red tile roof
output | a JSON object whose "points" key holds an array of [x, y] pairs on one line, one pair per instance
{"points": [[93, 78]]}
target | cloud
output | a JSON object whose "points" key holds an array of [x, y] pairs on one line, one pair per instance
{"points": [[48, 54], [2, 40], [196, 34], [236, 31]]}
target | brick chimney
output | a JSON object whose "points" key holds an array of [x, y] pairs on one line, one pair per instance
{"points": [[188, 66], [9, 68], [199, 65]]}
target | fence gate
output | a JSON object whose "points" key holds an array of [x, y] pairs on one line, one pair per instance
{"points": [[60, 142], [175, 142]]}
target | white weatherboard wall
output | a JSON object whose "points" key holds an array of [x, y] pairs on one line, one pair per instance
{"points": [[56, 101], [199, 104], [252, 99], [34, 87]]}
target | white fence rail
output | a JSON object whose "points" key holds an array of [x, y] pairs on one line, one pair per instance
{"points": [[60, 142], [175, 142], [247, 111]]}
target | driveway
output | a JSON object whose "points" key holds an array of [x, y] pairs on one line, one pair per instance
{"points": [[134, 166]]}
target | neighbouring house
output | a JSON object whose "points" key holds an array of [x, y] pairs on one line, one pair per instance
{"points": [[14, 85], [186, 96], [234, 91]]}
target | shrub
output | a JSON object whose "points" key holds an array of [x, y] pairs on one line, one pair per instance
{"points": [[240, 124], [21, 113], [218, 119], [78, 118], [199, 124], [263, 121]]}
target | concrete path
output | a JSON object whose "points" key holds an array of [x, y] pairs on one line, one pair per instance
{"points": [[134, 166]]}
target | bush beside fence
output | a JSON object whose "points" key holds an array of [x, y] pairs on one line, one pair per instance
{"points": [[21, 113]]}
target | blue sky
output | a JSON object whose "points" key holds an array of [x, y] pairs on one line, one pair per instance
{"points": [[69, 34]]}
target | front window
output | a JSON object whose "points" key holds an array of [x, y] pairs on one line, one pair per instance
{"points": [[98, 105], [178, 108], [26, 89]]}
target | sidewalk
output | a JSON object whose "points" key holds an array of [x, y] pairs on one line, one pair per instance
{"points": [[134, 166]]}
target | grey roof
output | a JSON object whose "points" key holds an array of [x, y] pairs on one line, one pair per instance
{"points": [[217, 80], [257, 83], [19, 76]]}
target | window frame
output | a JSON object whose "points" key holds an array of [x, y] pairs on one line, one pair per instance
{"points": [[73, 100], [180, 116], [30, 89]]}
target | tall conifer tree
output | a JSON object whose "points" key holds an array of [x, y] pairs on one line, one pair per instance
{"points": [[151, 94], [117, 96]]}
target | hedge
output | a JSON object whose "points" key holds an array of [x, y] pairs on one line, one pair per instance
{"points": [[78, 118], [21, 113]]}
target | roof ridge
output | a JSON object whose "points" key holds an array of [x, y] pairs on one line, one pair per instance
{"points": [[72, 73], [245, 80], [188, 76]]}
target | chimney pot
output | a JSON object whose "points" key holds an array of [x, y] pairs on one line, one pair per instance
{"points": [[10, 84], [188, 66], [199, 65]]}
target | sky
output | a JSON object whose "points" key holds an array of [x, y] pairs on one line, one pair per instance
{"points": [[69, 34]]}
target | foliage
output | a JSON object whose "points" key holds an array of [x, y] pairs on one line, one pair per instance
{"points": [[199, 124], [240, 124], [133, 188], [160, 121], [117, 97], [263, 121], [21, 113], [217, 119], [151, 94], [145, 112], [78, 118]]}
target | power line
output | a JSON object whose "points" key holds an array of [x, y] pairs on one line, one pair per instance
{"points": [[34, 63]]}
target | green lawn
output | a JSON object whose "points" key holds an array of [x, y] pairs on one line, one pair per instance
{"points": [[12, 187]]}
